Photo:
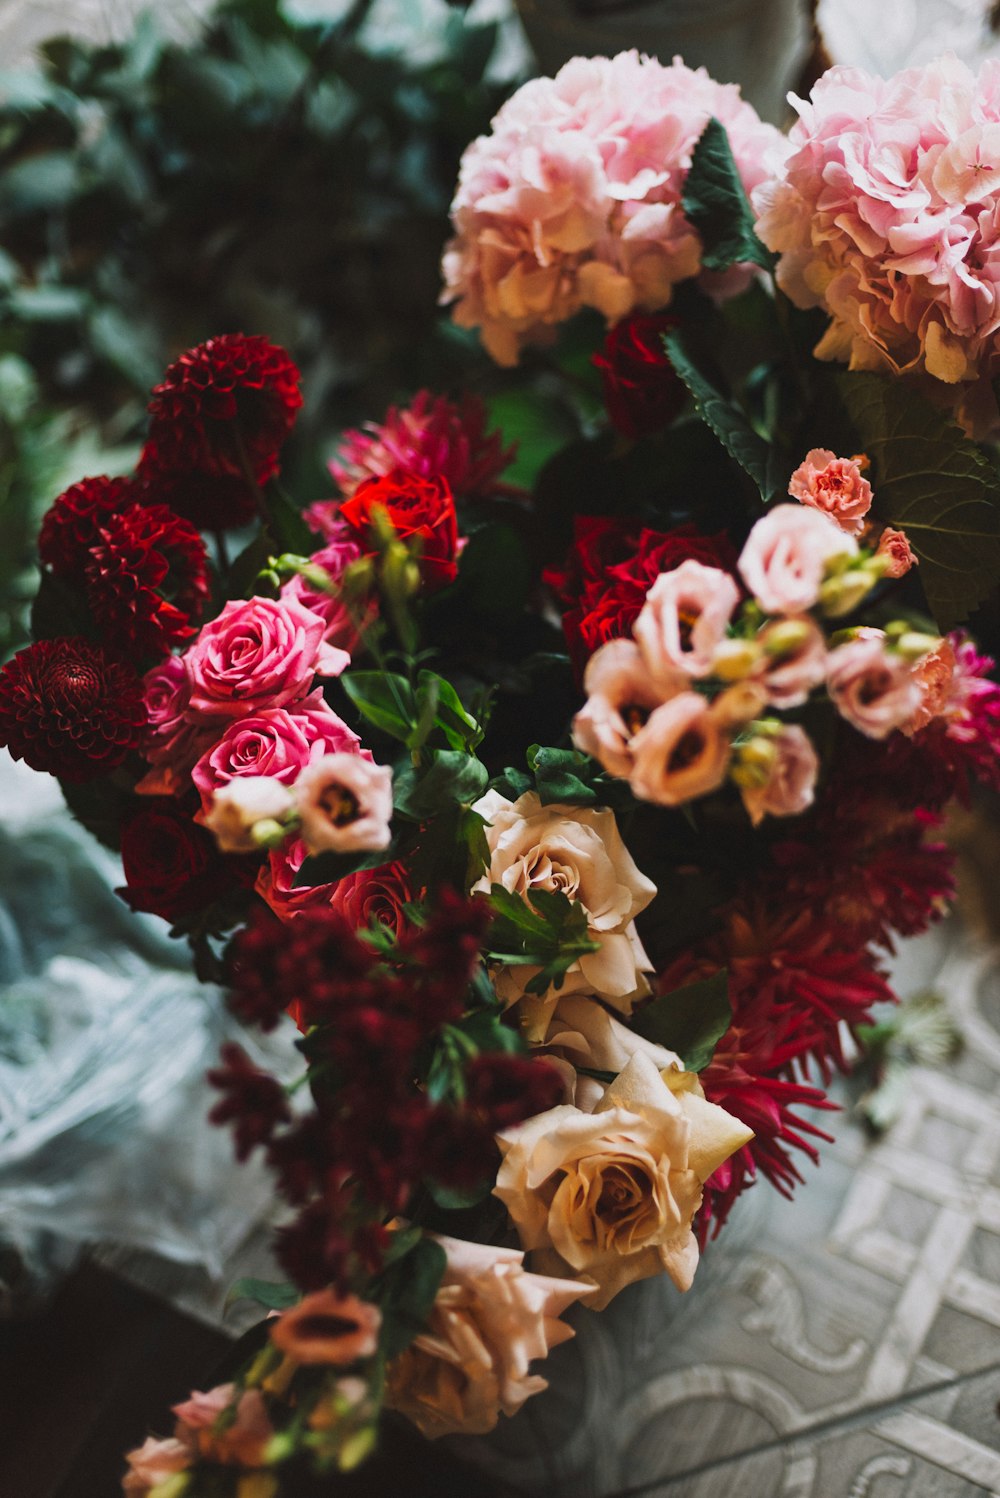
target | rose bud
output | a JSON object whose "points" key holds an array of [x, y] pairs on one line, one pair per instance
{"points": [[345, 804]]}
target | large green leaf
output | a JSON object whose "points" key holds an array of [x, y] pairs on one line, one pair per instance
{"points": [[717, 408], [405, 1292], [715, 201], [690, 1021], [933, 483], [445, 778]]}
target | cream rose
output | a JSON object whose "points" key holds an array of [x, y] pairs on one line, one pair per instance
{"points": [[578, 852], [582, 1033], [610, 1196], [489, 1321]]}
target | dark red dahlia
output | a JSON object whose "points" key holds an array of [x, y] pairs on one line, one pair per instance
{"points": [[224, 407], [147, 579], [71, 525], [68, 707], [641, 391], [211, 501]]}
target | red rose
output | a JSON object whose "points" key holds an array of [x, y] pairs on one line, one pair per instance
{"points": [[641, 391], [374, 894], [172, 866], [422, 513]]}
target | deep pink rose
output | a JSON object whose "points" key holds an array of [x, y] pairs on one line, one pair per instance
{"points": [[259, 653], [786, 555], [173, 739], [278, 742]]}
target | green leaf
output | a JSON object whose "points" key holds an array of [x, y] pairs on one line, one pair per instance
{"points": [[287, 525], [458, 726], [447, 777], [458, 1199], [384, 699], [328, 868], [716, 407], [487, 1032], [690, 1021], [512, 784], [405, 1292], [551, 934], [715, 201], [40, 183], [933, 483], [268, 1293]]}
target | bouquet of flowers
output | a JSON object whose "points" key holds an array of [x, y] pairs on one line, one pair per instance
{"points": [[570, 819]]}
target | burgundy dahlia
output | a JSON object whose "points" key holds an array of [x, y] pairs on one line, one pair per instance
{"points": [[224, 407], [71, 524], [67, 707], [211, 501], [147, 579]]}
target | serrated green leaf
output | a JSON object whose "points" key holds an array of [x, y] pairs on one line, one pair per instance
{"points": [[715, 201], [268, 1293], [933, 483], [690, 1021], [720, 412], [384, 699]]}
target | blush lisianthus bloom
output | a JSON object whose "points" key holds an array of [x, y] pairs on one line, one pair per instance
{"points": [[239, 806], [684, 618], [793, 660], [788, 784], [579, 852], [242, 1442], [681, 752], [835, 486], [621, 694], [875, 689], [886, 214], [610, 1196], [786, 557], [574, 198], [490, 1320], [344, 802], [328, 1328], [153, 1463]]}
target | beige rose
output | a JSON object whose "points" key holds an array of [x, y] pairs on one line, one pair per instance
{"points": [[609, 1196], [489, 1321], [579, 852], [582, 1033]]}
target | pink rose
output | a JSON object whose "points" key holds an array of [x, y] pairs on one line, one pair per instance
{"points": [[345, 804], [622, 694], [685, 617], [378, 894], [259, 653], [681, 752], [898, 552], [275, 742], [786, 555], [341, 628], [794, 660], [791, 782], [873, 690], [173, 739], [834, 485]]}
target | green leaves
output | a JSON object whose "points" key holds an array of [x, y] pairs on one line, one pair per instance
{"points": [[385, 699], [405, 1290], [447, 778], [565, 776], [690, 1021], [717, 408], [933, 483], [388, 700], [551, 934], [267, 1293], [716, 203]]}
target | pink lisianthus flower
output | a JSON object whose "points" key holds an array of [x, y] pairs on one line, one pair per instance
{"points": [[277, 742], [681, 752], [874, 690], [153, 1463], [259, 653], [786, 556], [897, 551], [684, 619], [622, 693], [344, 802], [791, 781], [836, 486], [793, 660], [432, 436], [341, 629]]}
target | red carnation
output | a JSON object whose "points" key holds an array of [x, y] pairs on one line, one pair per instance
{"points": [[422, 513], [641, 391], [67, 707], [71, 525], [172, 866], [147, 578], [223, 408], [211, 501]]}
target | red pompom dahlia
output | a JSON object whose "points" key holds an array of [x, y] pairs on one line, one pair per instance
{"points": [[147, 579], [72, 522], [67, 707]]}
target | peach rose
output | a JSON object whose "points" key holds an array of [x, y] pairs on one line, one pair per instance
{"points": [[621, 695], [345, 804], [835, 486], [874, 690], [897, 551], [328, 1328], [237, 807], [579, 852], [152, 1463], [791, 779], [489, 1321], [610, 1196], [681, 753], [684, 618], [581, 1033], [786, 556]]}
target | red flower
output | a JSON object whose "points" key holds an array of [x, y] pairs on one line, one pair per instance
{"points": [[251, 1098], [223, 407], [422, 513], [147, 578], [641, 391], [211, 501], [508, 1089], [431, 437], [67, 707], [172, 866], [71, 525]]}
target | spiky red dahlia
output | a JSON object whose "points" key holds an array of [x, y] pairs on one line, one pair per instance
{"points": [[67, 707], [223, 407], [72, 522], [147, 579], [433, 437]]}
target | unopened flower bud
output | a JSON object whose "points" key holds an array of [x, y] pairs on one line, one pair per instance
{"points": [[842, 593], [754, 761], [785, 637], [913, 645], [257, 1485], [400, 572], [739, 704], [173, 1487], [735, 659], [357, 1448], [267, 833]]}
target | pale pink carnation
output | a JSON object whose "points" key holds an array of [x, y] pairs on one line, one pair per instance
{"points": [[873, 689], [431, 437], [621, 695], [685, 617], [791, 783], [574, 199], [786, 557], [898, 552], [345, 804], [834, 485], [341, 629], [259, 653], [681, 753], [886, 214]]}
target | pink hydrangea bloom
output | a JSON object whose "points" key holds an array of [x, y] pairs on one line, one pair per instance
{"points": [[834, 485], [886, 214], [574, 199], [431, 436]]}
